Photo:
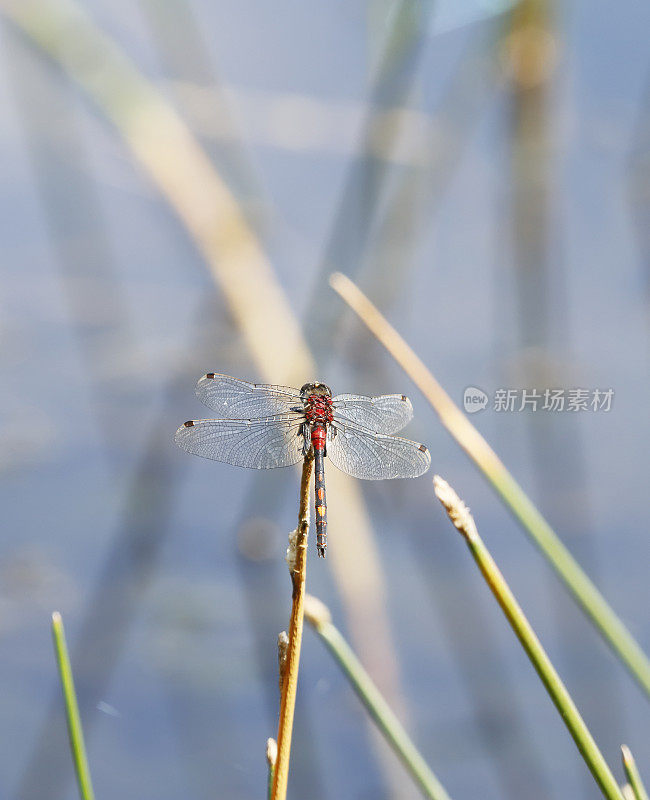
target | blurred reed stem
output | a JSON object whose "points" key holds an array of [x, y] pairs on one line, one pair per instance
{"points": [[319, 618], [297, 557], [170, 156], [464, 522], [584, 591], [75, 730], [632, 774]]}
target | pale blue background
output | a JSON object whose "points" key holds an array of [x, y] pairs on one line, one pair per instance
{"points": [[109, 316]]}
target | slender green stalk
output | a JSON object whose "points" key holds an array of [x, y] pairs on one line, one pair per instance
{"points": [[462, 519], [570, 572], [632, 773], [318, 617], [72, 710], [271, 758]]}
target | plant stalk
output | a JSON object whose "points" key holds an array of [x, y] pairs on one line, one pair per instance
{"points": [[75, 730], [271, 756], [570, 572], [464, 522], [632, 774], [297, 556], [390, 727]]}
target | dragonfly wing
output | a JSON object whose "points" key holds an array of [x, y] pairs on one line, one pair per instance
{"points": [[371, 456], [388, 413], [232, 398], [258, 443]]}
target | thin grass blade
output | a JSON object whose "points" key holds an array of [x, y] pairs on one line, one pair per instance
{"points": [[319, 618], [75, 730]]}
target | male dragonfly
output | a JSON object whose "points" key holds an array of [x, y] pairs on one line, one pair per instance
{"points": [[264, 426]]}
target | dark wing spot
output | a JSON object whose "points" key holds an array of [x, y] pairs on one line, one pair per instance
{"points": [[210, 375], [188, 424], [404, 398], [423, 448]]}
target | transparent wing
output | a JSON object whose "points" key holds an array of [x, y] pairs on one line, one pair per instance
{"points": [[258, 443], [232, 398], [371, 456], [388, 413]]}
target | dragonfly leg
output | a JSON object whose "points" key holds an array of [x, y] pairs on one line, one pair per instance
{"points": [[305, 432]]}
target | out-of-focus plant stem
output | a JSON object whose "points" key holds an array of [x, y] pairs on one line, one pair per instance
{"points": [[297, 558], [75, 730], [584, 591], [464, 522], [164, 148], [632, 773], [390, 727]]}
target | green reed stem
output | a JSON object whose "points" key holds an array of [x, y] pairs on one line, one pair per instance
{"points": [[632, 773], [456, 422], [75, 730], [319, 618], [271, 758], [464, 522]]}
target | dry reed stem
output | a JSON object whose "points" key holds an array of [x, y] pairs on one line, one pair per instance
{"points": [[464, 522], [571, 573], [297, 558]]}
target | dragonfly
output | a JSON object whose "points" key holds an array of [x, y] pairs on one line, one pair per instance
{"points": [[263, 426]]}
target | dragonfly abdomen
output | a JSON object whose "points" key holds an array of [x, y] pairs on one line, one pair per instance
{"points": [[318, 437]]}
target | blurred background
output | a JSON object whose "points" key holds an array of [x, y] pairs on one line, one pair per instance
{"points": [[179, 179]]}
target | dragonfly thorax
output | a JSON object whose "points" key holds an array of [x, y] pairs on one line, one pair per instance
{"points": [[318, 408]]}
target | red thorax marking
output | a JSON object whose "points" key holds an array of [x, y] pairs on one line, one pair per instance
{"points": [[318, 408]]}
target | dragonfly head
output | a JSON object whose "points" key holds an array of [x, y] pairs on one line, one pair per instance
{"points": [[315, 388]]}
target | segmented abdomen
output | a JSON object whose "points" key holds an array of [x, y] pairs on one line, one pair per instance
{"points": [[318, 441]]}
